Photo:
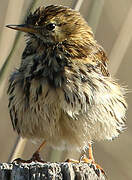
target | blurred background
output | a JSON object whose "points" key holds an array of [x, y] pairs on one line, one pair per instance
{"points": [[111, 22]]}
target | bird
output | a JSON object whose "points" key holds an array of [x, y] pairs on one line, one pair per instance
{"points": [[62, 91]]}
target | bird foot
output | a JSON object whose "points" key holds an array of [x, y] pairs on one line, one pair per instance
{"points": [[35, 158], [97, 168]]}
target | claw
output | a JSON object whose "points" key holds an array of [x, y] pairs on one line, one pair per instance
{"points": [[72, 161], [35, 158], [19, 160]]}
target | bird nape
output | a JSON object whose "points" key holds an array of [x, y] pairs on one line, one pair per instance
{"points": [[62, 91]]}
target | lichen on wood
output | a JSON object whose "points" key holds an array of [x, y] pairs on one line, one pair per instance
{"points": [[49, 171]]}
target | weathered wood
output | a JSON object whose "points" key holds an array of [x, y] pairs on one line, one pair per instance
{"points": [[49, 171]]}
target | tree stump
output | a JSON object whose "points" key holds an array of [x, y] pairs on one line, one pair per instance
{"points": [[49, 171]]}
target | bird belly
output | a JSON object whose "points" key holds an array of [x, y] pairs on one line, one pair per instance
{"points": [[38, 116], [60, 117], [99, 112]]}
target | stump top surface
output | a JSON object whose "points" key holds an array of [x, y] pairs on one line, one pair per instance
{"points": [[49, 171]]}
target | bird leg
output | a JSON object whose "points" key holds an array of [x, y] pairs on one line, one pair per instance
{"points": [[35, 157], [90, 160]]}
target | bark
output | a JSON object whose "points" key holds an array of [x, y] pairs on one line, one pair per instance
{"points": [[49, 171]]}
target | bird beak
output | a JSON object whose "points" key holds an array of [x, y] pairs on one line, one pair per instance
{"points": [[23, 27]]}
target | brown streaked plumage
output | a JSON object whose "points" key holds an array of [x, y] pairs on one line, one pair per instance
{"points": [[62, 91]]}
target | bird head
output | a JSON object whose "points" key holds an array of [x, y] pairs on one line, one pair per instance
{"points": [[53, 24]]}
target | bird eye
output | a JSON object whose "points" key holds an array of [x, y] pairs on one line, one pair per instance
{"points": [[50, 26]]}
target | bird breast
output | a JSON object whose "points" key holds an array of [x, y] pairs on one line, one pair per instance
{"points": [[87, 106]]}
